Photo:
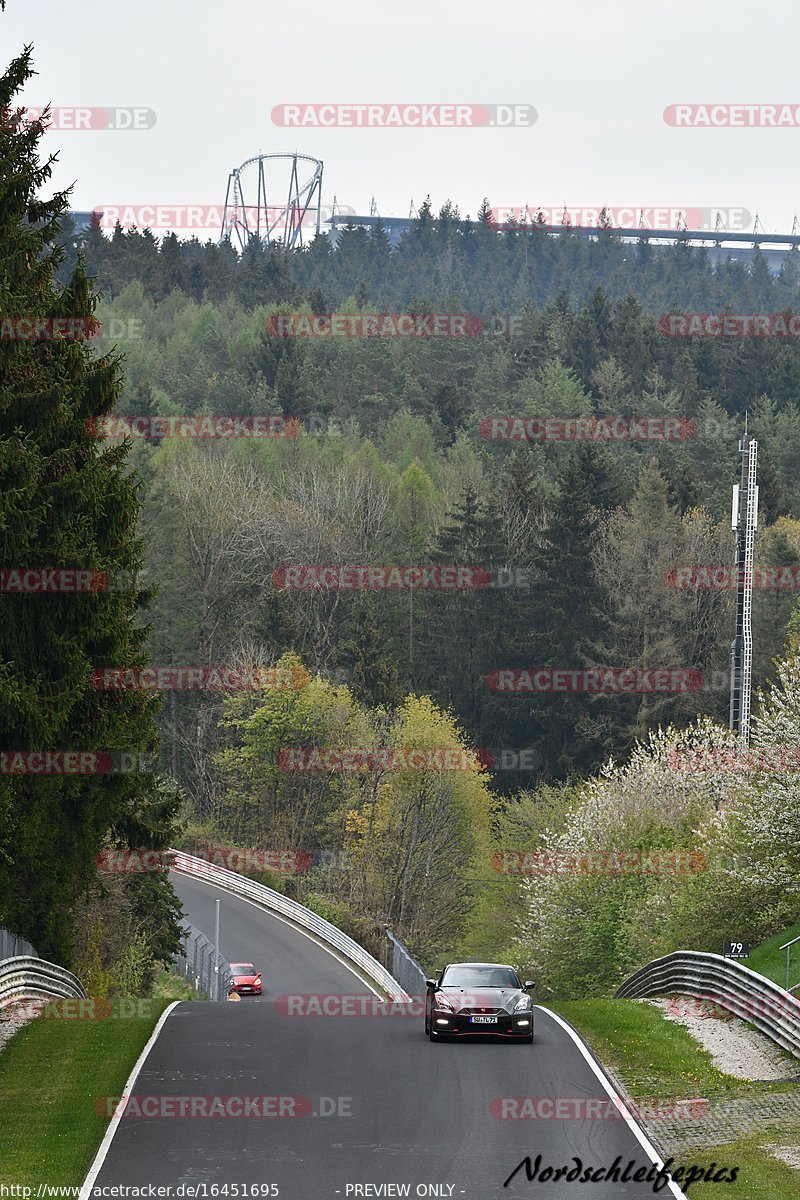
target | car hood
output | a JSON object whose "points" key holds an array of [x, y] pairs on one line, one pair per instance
{"points": [[485, 999], [245, 978]]}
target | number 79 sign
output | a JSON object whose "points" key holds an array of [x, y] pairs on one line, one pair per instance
{"points": [[736, 950]]}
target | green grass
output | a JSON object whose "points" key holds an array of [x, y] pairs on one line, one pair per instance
{"points": [[169, 986], [656, 1059], [761, 1177], [52, 1073], [770, 961]]}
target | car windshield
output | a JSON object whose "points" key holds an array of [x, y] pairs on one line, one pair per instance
{"points": [[243, 968], [478, 977]]}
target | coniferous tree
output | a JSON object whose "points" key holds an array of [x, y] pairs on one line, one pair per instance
{"points": [[66, 502], [570, 613], [460, 629], [365, 655]]}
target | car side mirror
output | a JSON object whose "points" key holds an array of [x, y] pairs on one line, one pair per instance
{"points": [[529, 983], [430, 983]]}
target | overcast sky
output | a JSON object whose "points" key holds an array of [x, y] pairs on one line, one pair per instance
{"points": [[599, 76]]}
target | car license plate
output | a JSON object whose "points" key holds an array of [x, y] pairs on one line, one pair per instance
{"points": [[483, 1020]]}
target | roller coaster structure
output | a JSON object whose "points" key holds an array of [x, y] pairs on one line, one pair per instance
{"points": [[269, 221]]}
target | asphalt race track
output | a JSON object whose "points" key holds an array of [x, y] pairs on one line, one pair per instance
{"points": [[384, 1106]]}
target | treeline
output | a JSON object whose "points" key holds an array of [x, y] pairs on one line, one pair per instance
{"points": [[442, 260], [603, 359], [577, 570], [391, 467]]}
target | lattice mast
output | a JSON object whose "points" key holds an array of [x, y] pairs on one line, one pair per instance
{"points": [[744, 521]]}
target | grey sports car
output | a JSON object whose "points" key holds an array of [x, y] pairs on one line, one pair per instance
{"points": [[478, 999]]}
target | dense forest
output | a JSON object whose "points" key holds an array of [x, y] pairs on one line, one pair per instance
{"points": [[392, 464], [389, 463], [387, 459]]}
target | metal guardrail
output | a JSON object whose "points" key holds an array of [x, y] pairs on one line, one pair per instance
{"points": [[25, 977], [787, 946], [405, 968], [296, 914], [721, 981], [202, 965], [11, 946]]}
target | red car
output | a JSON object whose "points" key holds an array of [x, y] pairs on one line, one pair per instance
{"points": [[246, 979]]}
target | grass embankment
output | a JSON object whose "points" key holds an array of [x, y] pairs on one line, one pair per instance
{"points": [[168, 986], [54, 1074], [659, 1060], [768, 959]]}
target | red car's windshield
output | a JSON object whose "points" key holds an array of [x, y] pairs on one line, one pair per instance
{"points": [[243, 968]]}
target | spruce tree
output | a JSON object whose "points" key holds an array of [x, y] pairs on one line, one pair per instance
{"points": [[65, 502], [569, 614]]}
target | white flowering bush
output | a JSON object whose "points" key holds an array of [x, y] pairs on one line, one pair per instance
{"points": [[661, 853]]}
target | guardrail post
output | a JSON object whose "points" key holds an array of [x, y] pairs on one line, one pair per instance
{"points": [[788, 948]]}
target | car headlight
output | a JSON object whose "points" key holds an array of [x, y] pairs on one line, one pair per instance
{"points": [[523, 1003], [440, 1001]]}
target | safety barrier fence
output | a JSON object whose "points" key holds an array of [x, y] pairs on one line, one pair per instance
{"points": [[405, 968], [11, 946], [202, 965], [721, 981], [25, 977]]}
